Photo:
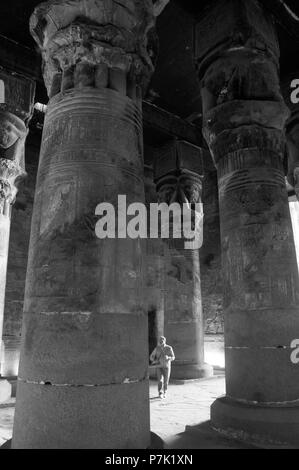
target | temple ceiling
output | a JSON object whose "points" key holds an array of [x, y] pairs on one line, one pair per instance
{"points": [[174, 86]]}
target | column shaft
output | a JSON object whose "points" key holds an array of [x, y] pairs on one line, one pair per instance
{"points": [[83, 380], [4, 246], [179, 180], [183, 326], [15, 111], [244, 118], [154, 283]]}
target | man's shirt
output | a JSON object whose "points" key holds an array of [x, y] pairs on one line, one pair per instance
{"points": [[160, 353]]}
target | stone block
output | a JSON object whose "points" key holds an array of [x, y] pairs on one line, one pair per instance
{"points": [[114, 416]]}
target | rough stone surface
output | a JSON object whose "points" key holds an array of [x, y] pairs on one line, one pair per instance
{"points": [[267, 426], [178, 175], [17, 260], [187, 405], [244, 120], [85, 328], [15, 110], [73, 299], [121, 42], [154, 276], [94, 424]]}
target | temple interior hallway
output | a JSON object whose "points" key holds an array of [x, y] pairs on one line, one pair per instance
{"points": [[188, 405], [185, 405]]}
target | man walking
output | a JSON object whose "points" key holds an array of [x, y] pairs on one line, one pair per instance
{"points": [[162, 355]]}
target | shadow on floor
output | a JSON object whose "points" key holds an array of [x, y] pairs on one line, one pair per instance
{"points": [[203, 436]]}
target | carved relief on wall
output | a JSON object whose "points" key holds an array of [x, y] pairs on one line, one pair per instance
{"points": [[178, 176], [13, 133], [183, 187]]}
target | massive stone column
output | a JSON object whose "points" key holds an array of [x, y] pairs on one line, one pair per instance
{"points": [[179, 176], [154, 282], [244, 118], [83, 378], [210, 265], [292, 133], [17, 94]]}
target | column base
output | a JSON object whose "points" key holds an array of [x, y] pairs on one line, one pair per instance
{"points": [[265, 425], [191, 371], [112, 416], [5, 390]]}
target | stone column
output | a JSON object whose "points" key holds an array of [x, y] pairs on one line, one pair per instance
{"points": [[154, 275], [244, 119], [154, 284], [17, 94], [83, 378], [292, 133], [178, 176]]}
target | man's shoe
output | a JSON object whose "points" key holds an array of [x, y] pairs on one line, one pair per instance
{"points": [[161, 395]]}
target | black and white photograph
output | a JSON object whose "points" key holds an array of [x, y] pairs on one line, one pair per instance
{"points": [[149, 227]]}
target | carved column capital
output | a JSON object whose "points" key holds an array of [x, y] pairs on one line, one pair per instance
{"points": [[95, 43], [178, 176], [243, 107], [179, 172], [13, 133], [15, 113], [241, 124], [245, 33], [244, 119]]}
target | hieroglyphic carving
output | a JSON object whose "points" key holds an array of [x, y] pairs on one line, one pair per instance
{"points": [[15, 111], [179, 179], [243, 124], [18, 94], [242, 102], [16, 106], [178, 175], [244, 118]]}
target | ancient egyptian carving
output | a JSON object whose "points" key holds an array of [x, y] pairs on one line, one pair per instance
{"points": [[13, 133], [179, 179], [183, 187], [179, 173], [99, 43]]}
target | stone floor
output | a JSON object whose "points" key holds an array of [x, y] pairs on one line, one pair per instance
{"points": [[6, 420], [186, 405]]}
